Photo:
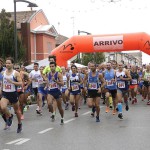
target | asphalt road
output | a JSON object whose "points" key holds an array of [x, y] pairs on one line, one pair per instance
{"points": [[82, 133]]}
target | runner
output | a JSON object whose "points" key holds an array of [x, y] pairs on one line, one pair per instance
{"points": [[34, 75], [42, 91], [55, 80], [110, 88], [73, 84], [64, 90], [2, 69], [123, 76], [91, 83], [146, 84], [24, 90], [11, 79], [134, 83], [47, 69]]}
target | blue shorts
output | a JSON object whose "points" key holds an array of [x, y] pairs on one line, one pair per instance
{"points": [[42, 91], [63, 90], [75, 92], [56, 94]]}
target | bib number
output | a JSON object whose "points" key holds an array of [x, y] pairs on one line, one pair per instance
{"points": [[75, 87], [93, 86], [121, 85], [109, 83], [53, 85], [134, 81], [7, 87]]}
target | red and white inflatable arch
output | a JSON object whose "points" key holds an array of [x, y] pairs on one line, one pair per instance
{"points": [[101, 43]]}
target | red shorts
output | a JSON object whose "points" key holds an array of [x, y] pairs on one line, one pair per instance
{"points": [[133, 86]]}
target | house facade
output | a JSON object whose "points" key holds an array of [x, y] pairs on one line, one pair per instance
{"points": [[38, 35]]}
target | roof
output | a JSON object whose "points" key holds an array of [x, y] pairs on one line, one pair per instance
{"points": [[60, 39], [47, 29], [21, 16]]}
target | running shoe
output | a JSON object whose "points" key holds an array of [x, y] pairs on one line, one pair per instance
{"points": [[19, 129], [93, 109], [39, 112], [67, 106], [76, 114], [120, 116], [73, 108], [62, 122], [25, 109], [130, 99], [53, 118], [135, 100], [107, 109], [127, 108], [97, 119], [148, 103], [6, 127], [9, 120]]}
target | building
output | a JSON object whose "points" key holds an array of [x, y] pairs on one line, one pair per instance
{"points": [[127, 58], [38, 35]]}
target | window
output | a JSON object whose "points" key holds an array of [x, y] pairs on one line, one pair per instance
{"points": [[49, 47]]}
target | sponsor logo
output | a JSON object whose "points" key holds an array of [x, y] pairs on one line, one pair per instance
{"points": [[147, 45], [108, 43], [67, 48]]}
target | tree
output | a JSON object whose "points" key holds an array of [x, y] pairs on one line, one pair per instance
{"points": [[95, 57], [7, 47]]}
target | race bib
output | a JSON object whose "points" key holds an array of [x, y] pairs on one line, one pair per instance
{"points": [[75, 87], [7, 87], [134, 81], [109, 83], [121, 85], [53, 85], [93, 86]]}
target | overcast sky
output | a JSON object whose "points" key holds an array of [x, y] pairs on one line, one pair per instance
{"points": [[93, 16]]}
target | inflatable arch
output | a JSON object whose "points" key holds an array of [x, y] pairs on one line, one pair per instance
{"points": [[101, 43]]}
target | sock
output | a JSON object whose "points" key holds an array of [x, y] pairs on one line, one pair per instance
{"points": [[120, 107], [54, 113]]}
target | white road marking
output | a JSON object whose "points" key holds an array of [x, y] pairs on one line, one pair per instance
{"points": [[15, 141], [67, 121], [23, 141], [86, 113], [41, 132]]}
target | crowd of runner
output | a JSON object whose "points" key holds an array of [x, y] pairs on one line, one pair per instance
{"points": [[112, 83]]}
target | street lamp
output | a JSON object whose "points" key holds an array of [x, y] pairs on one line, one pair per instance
{"points": [[15, 23]]}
